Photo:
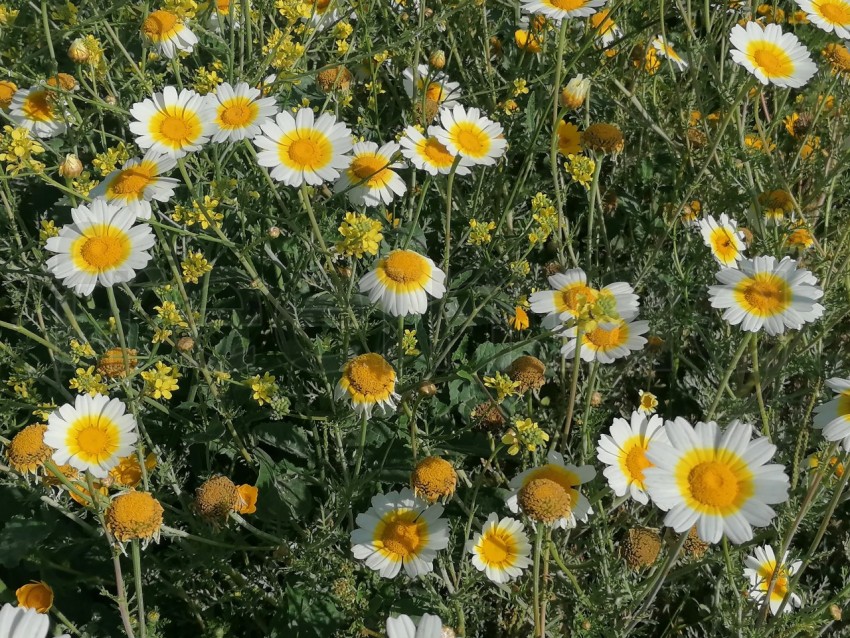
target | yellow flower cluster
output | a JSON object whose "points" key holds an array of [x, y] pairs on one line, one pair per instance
{"points": [[87, 381], [84, 184], [169, 316], [185, 9], [107, 161], [7, 15], [409, 343], [284, 51], [479, 233], [66, 13], [207, 78], [360, 235], [263, 388], [194, 267], [503, 385], [204, 213], [21, 385], [17, 150], [545, 217], [81, 350], [581, 169], [47, 229], [526, 434], [160, 383]]}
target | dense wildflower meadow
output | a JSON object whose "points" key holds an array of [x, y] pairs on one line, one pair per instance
{"points": [[424, 318]]}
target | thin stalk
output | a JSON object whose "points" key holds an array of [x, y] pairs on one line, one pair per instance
{"points": [[538, 542], [571, 402], [140, 601], [726, 375], [754, 353], [361, 449], [553, 143], [594, 190]]}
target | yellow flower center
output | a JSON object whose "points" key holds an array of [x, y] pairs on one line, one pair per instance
{"points": [[497, 549], [7, 90], [560, 475], [567, 5], [436, 153], [575, 297], [780, 587], [100, 248], [712, 481], [604, 338], [93, 437], [843, 407], [635, 459], [371, 168], [131, 181], [471, 139], [159, 25], [370, 376], [836, 12], [400, 534], [176, 127], [434, 478], [763, 294], [216, 497], [27, 450], [544, 500], [405, 266], [772, 59], [435, 92], [723, 245], [134, 515], [305, 150], [237, 113], [38, 106]]}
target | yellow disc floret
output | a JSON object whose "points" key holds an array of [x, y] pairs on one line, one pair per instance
{"points": [[529, 372], [112, 362], [433, 478], [603, 138], [217, 497], [27, 451], [641, 547], [134, 516], [544, 500]]}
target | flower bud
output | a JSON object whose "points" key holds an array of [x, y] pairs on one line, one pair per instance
{"points": [[437, 60], [71, 166], [79, 52]]}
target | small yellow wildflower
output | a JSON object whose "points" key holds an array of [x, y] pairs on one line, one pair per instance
{"points": [[194, 267], [503, 385], [21, 385], [206, 80], [263, 388], [185, 9], [47, 229], [284, 51], [84, 184], [161, 335], [107, 161], [201, 213], [525, 434], [87, 381], [409, 343], [7, 15], [520, 268], [519, 320], [17, 150], [520, 87], [81, 350], [220, 377], [834, 462], [360, 235], [648, 402], [581, 169], [169, 315], [66, 13], [342, 30], [160, 383], [479, 233]]}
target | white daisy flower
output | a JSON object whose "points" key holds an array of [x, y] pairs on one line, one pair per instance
{"points": [[101, 246], [221, 13], [138, 182], [717, 480], [833, 417], [434, 85], [429, 154], [92, 435], [471, 135], [575, 93], [38, 110], [623, 450], [725, 240], [20, 622], [568, 476], [772, 56], [321, 13], [765, 294], [501, 550], [665, 50], [239, 111], [557, 10], [167, 33], [402, 281], [369, 179], [607, 341], [400, 530], [303, 150], [607, 31], [760, 567], [368, 381], [829, 15], [429, 626], [173, 123]]}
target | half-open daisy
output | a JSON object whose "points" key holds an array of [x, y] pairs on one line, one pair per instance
{"points": [[302, 149], [606, 341], [429, 154], [724, 239], [829, 15], [138, 182], [102, 246], [370, 179], [368, 381], [570, 296], [772, 56], [173, 123], [399, 530], [167, 33], [239, 111], [471, 135], [605, 28], [38, 110], [429, 626], [557, 10], [833, 417], [665, 50], [760, 568], [623, 450], [762, 293], [92, 435], [567, 476], [434, 86], [714, 479], [402, 281], [501, 550]]}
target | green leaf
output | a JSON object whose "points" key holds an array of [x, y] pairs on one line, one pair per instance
{"points": [[18, 537]]}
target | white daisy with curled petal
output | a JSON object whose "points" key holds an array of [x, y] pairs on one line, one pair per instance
{"points": [[302, 149], [92, 435], [765, 294], [370, 179], [429, 154], [433, 85], [623, 450], [138, 182], [429, 626], [718, 480], [501, 550], [725, 240], [102, 246], [665, 50], [400, 530], [167, 33], [557, 10], [606, 341], [829, 15], [239, 111], [760, 569], [471, 135], [39, 111], [833, 417], [772, 56], [21, 622], [402, 281], [173, 123]]}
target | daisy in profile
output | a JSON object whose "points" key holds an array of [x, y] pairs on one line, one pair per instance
{"points": [[173, 123], [20, 622], [435, 86], [665, 50], [567, 477], [765, 294], [139, 181], [399, 531], [557, 10], [167, 33], [715, 479], [429, 626], [724, 239], [429, 154], [772, 56], [833, 417], [92, 435], [320, 13], [370, 179], [471, 135], [239, 111], [402, 281], [606, 341], [303, 150], [605, 28], [368, 381], [37, 110], [501, 550], [829, 15], [102, 246], [575, 93], [760, 569], [623, 450]]}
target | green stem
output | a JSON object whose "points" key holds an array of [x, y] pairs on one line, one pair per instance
{"points": [[361, 449], [726, 375], [140, 601], [538, 542], [754, 353], [571, 402], [594, 190], [563, 224]]}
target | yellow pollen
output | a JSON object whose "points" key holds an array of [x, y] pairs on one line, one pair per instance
{"points": [[604, 338], [437, 153], [567, 5], [103, 252], [27, 450], [308, 150], [497, 549], [371, 168], [38, 106], [94, 438], [175, 129], [370, 376], [713, 483], [575, 297], [764, 294], [237, 113], [159, 25], [131, 181], [216, 497], [434, 478], [636, 461], [835, 12], [401, 534], [471, 139], [773, 61], [134, 515], [544, 500], [405, 266]]}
